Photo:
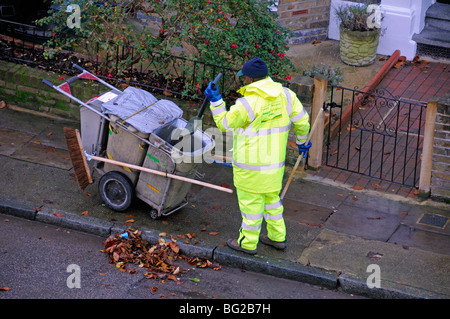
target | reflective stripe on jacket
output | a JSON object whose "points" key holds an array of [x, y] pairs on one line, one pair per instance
{"points": [[260, 122]]}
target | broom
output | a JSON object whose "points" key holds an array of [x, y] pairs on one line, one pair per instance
{"points": [[301, 155], [79, 162], [77, 157]]}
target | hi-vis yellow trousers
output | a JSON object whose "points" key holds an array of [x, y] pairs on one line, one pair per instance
{"points": [[254, 207]]}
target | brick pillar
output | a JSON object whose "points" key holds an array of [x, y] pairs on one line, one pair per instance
{"points": [[440, 172]]}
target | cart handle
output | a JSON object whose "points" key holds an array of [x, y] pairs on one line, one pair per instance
{"points": [[94, 77], [50, 84], [79, 68]]}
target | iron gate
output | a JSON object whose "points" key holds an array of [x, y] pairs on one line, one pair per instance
{"points": [[374, 134]]}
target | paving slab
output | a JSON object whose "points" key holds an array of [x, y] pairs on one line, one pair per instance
{"points": [[368, 223], [352, 255], [11, 140], [43, 154], [432, 241]]}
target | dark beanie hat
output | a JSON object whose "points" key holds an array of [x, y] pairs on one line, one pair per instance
{"points": [[255, 68]]}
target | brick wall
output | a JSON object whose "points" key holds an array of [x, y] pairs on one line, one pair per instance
{"points": [[22, 86], [307, 19], [440, 173]]}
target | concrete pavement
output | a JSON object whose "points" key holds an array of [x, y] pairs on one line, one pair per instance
{"points": [[337, 236]]}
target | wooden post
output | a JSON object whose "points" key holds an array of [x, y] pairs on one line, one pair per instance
{"points": [[319, 97], [427, 152]]}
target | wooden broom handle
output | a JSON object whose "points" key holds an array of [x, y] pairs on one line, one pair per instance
{"points": [[319, 115], [156, 172]]}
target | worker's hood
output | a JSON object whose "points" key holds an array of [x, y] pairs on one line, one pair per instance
{"points": [[266, 88]]}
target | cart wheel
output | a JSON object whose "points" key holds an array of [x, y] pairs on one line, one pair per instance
{"points": [[116, 191], [154, 214]]}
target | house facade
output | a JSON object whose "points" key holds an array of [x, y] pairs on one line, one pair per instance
{"points": [[411, 26]]}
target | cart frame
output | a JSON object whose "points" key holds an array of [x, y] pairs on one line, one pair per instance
{"points": [[64, 88]]}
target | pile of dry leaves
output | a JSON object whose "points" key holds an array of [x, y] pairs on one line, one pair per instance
{"points": [[158, 260]]}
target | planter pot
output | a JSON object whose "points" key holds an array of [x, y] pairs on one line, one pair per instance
{"points": [[358, 48]]}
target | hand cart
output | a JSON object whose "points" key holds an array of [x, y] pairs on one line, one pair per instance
{"points": [[119, 185]]}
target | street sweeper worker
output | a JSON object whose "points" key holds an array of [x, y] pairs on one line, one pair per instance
{"points": [[260, 122]]}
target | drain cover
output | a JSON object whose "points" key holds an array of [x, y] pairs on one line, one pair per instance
{"points": [[433, 220]]}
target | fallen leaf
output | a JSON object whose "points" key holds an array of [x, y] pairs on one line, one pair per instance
{"points": [[85, 212], [374, 255], [194, 279], [213, 233], [398, 65], [163, 234], [358, 188], [404, 214], [225, 185], [174, 246], [130, 221], [376, 186], [153, 290], [57, 214], [5, 289], [48, 134], [165, 222], [316, 42], [172, 277]]}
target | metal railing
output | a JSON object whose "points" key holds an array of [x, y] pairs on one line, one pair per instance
{"points": [[383, 137]]}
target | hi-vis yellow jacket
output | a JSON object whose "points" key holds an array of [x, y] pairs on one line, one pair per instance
{"points": [[260, 122]]}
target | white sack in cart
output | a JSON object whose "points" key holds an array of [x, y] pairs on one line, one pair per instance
{"points": [[127, 106]]}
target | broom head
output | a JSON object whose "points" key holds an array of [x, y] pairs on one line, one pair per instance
{"points": [[78, 158]]}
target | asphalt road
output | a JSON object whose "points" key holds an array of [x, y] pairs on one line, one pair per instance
{"points": [[40, 261]]}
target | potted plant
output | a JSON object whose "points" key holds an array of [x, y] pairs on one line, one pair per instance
{"points": [[359, 33]]}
